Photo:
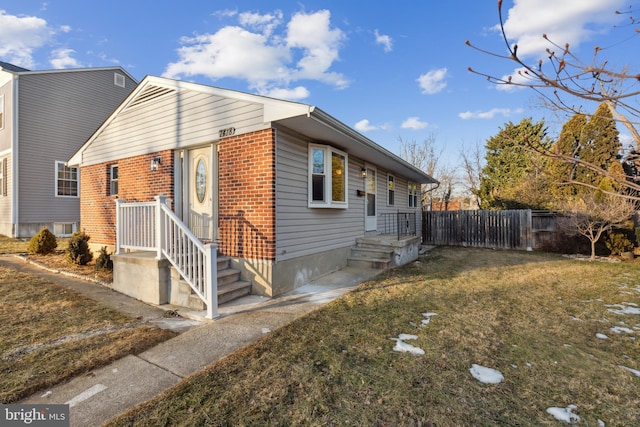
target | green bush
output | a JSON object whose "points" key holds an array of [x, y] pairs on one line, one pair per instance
{"points": [[637, 233], [78, 251], [618, 243], [43, 243], [104, 262]]}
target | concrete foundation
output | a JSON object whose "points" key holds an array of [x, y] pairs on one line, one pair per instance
{"points": [[142, 276]]}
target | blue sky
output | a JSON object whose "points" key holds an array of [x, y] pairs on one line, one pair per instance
{"points": [[391, 70]]}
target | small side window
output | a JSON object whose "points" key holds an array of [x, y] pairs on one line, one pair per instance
{"points": [[118, 79], [391, 190], [414, 192], [113, 180]]}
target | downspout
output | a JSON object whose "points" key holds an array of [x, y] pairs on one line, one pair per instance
{"points": [[14, 161]]}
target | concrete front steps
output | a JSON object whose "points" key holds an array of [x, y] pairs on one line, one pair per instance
{"points": [[230, 287], [383, 251]]}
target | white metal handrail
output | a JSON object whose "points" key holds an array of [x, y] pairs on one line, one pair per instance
{"points": [[154, 226]]}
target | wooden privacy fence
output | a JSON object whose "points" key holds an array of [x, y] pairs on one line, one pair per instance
{"points": [[510, 229]]}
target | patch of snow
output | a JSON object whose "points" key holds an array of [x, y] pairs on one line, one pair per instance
{"points": [[47, 394], [602, 336], [620, 329], [266, 330], [576, 319], [403, 347], [624, 308], [486, 375], [633, 371], [564, 414], [601, 423], [428, 317]]}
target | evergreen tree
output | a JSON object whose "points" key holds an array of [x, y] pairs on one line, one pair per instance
{"points": [[601, 146], [509, 164], [572, 137]]}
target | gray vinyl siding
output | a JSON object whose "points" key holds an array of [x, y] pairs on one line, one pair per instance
{"points": [[6, 226], [172, 121], [58, 112], [301, 230]]}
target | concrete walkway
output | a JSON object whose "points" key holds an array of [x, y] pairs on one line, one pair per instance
{"points": [[102, 394]]}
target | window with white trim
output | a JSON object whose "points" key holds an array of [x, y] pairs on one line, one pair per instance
{"points": [[113, 180], [414, 191], [328, 181], [67, 180], [391, 190]]}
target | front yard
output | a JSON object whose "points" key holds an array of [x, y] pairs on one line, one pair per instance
{"points": [[559, 336], [49, 333]]}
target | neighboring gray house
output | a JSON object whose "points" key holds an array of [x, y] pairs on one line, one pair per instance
{"points": [[45, 116], [285, 190]]}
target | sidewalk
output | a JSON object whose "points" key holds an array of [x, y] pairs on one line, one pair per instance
{"points": [[104, 393]]}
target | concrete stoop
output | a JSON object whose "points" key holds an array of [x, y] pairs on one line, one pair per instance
{"points": [[230, 287], [383, 252]]}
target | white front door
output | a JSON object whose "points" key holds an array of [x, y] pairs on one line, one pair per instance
{"points": [[370, 219], [200, 184]]}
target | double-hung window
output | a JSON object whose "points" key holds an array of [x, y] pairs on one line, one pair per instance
{"points": [[113, 180], [327, 177], [67, 180], [414, 192], [391, 190]]}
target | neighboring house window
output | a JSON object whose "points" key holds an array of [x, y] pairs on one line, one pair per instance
{"points": [[113, 180], [67, 182], [63, 229], [1, 111], [414, 191], [391, 190], [327, 177], [3, 177]]}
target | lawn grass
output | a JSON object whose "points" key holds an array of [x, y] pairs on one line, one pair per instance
{"points": [[532, 316], [49, 334]]}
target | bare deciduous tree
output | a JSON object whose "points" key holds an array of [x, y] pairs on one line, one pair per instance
{"points": [[565, 81], [472, 171], [593, 214]]}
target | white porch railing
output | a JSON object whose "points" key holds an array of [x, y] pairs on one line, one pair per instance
{"points": [[153, 226]]}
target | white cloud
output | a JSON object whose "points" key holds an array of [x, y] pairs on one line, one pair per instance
{"points": [[320, 45], [385, 41], [490, 114], [263, 23], [365, 125], [517, 77], [20, 36], [62, 58], [566, 21], [414, 123], [267, 59], [433, 81], [295, 94]]}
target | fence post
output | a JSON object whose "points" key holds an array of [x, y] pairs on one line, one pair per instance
{"points": [[211, 277], [118, 225], [529, 230], [159, 231]]}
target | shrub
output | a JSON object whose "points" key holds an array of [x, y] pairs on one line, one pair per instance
{"points": [[637, 233], [104, 262], [618, 243], [43, 243], [78, 251]]}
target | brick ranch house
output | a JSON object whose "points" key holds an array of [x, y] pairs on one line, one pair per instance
{"points": [[281, 190]]}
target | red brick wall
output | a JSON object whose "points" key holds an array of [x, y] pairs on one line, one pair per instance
{"points": [[247, 189], [136, 183]]}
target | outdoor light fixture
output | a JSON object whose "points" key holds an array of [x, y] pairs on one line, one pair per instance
{"points": [[155, 163], [363, 172]]}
